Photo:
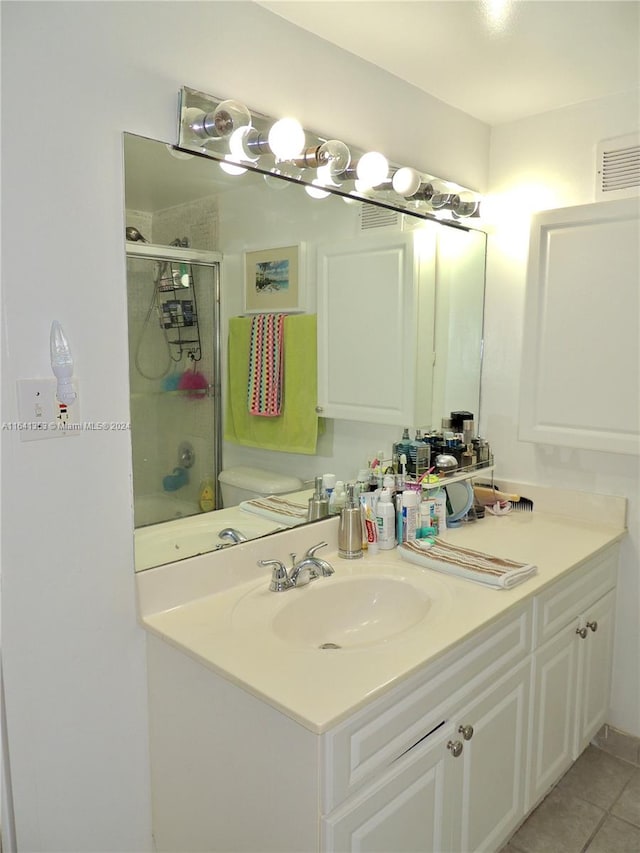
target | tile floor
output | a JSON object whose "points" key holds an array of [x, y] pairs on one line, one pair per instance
{"points": [[594, 808]]}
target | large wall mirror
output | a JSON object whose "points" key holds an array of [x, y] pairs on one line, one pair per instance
{"points": [[205, 253]]}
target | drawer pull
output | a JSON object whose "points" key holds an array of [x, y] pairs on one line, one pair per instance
{"points": [[593, 625], [466, 732], [455, 747], [582, 632]]}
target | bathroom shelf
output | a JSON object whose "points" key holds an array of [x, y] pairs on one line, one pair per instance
{"points": [[179, 314], [460, 476]]}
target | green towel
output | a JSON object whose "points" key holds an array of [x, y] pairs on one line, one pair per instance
{"points": [[296, 429]]}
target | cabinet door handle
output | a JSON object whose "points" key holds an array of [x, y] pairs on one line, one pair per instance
{"points": [[319, 410], [455, 747], [582, 632], [593, 625], [466, 732]]}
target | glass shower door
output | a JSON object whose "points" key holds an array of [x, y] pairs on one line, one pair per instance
{"points": [[174, 374]]}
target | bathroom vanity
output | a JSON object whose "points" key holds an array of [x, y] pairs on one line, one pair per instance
{"points": [[440, 732]]}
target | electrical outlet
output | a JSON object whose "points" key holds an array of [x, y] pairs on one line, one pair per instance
{"points": [[41, 414]]}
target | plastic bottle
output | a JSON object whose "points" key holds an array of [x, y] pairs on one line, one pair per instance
{"points": [[409, 515], [386, 521], [440, 499], [389, 483], [337, 498], [207, 499], [413, 450], [404, 445], [329, 483], [428, 522]]}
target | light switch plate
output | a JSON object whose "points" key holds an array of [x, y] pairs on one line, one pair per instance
{"points": [[41, 414]]}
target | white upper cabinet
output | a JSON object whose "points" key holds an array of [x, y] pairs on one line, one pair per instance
{"points": [[376, 328], [581, 353], [400, 325]]}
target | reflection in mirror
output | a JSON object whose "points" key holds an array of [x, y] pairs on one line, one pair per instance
{"points": [[399, 306]]}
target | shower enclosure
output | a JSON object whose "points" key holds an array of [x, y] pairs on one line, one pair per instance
{"points": [[173, 300]]}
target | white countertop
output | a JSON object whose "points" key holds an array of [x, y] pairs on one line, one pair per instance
{"points": [[194, 606]]}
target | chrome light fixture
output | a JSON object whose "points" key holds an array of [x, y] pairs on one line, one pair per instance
{"points": [[227, 131]]}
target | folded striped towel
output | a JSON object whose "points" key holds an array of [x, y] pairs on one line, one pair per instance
{"points": [[266, 363], [475, 566], [277, 509]]}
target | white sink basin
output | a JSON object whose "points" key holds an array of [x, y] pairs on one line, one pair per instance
{"points": [[355, 612], [350, 612]]}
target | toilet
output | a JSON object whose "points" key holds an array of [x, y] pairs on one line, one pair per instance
{"points": [[242, 484]]}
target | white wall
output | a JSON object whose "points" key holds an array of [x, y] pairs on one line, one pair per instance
{"points": [[544, 162], [75, 76]]}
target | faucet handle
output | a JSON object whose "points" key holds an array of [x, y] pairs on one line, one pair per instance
{"points": [[324, 568], [312, 551], [279, 577]]}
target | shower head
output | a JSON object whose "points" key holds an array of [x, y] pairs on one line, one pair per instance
{"points": [[134, 235]]}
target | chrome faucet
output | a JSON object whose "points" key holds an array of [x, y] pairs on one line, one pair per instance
{"points": [[303, 572], [232, 535]]}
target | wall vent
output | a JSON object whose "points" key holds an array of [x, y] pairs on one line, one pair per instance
{"points": [[618, 167], [372, 216]]}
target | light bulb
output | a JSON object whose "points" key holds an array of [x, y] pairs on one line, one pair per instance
{"points": [[286, 138], [179, 155], [61, 364], [290, 170], [315, 190], [326, 177], [441, 200], [227, 117], [334, 155], [274, 181], [467, 204], [218, 124], [239, 144], [372, 169], [230, 167], [406, 181]]}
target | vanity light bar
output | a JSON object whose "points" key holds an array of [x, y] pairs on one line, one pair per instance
{"points": [[226, 130]]}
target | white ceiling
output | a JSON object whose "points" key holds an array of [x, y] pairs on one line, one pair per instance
{"points": [[497, 60]]}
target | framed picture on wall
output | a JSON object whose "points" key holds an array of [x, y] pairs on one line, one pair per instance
{"points": [[273, 280]]}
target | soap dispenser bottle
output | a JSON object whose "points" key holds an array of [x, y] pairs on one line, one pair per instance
{"points": [[318, 502], [350, 527]]}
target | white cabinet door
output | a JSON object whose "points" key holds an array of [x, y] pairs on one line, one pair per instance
{"points": [[410, 809], [374, 294], [594, 670], [491, 803], [581, 346], [555, 667]]}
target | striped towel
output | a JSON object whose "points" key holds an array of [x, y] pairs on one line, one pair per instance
{"points": [[465, 563], [277, 509], [266, 362]]}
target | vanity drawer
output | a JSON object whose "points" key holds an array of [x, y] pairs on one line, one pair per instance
{"points": [[566, 599], [364, 745]]}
